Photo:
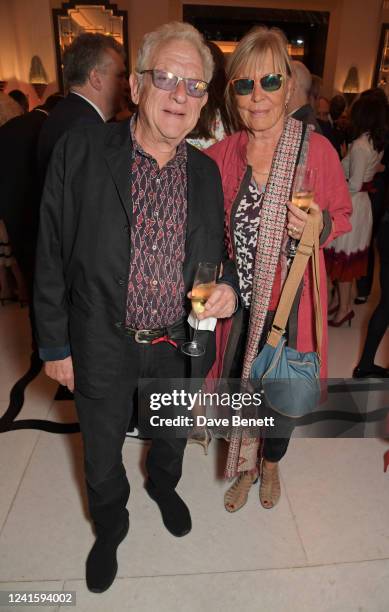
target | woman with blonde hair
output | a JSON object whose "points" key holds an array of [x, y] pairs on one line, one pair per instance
{"points": [[258, 164]]}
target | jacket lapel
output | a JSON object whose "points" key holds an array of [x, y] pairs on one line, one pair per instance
{"points": [[195, 218], [118, 158]]}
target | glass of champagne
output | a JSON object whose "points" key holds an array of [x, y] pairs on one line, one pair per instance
{"points": [[203, 285], [302, 196]]}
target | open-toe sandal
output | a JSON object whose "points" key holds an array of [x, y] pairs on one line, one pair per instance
{"points": [[236, 496], [269, 488]]}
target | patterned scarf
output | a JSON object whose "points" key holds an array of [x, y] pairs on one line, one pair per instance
{"points": [[291, 150]]}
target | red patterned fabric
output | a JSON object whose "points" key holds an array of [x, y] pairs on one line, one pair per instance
{"points": [[369, 187], [276, 289], [343, 267], [156, 292], [272, 231]]}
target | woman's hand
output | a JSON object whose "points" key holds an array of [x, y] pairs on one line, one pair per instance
{"points": [[297, 219]]}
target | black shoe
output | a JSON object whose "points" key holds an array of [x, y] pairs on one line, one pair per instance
{"points": [[175, 513], [373, 372], [360, 300], [101, 564]]}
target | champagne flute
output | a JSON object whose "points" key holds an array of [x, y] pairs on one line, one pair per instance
{"points": [[203, 285], [303, 194]]}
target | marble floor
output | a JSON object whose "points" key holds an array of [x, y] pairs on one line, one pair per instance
{"points": [[324, 548]]}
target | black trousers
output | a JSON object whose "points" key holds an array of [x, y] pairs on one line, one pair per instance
{"points": [[104, 423], [377, 199], [379, 321], [274, 448]]}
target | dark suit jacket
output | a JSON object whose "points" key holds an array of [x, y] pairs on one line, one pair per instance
{"points": [[73, 111], [335, 136], [20, 185], [306, 115], [83, 253]]}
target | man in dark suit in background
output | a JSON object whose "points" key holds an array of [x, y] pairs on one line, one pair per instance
{"points": [[95, 75], [327, 124], [21, 189], [128, 211], [299, 105]]}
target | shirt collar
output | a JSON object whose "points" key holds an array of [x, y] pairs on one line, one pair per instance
{"points": [[181, 151], [40, 110], [91, 103]]}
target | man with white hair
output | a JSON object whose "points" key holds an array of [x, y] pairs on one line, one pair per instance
{"points": [[128, 212], [299, 106]]}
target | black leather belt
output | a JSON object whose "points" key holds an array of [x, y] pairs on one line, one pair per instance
{"points": [[146, 336], [174, 332]]}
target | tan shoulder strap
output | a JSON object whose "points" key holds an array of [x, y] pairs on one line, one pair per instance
{"points": [[307, 247]]}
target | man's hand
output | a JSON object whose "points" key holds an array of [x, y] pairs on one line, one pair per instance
{"points": [[61, 371], [221, 303]]}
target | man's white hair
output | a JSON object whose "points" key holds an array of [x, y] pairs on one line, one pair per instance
{"points": [[175, 30], [302, 76]]}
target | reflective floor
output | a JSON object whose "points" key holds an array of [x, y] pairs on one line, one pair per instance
{"points": [[324, 548]]}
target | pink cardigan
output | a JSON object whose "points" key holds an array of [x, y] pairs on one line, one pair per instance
{"points": [[331, 193]]}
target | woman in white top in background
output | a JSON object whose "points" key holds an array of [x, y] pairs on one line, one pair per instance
{"points": [[347, 256], [213, 124]]}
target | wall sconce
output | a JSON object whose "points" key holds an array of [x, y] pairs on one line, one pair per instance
{"points": [[38, 76], [351, 85], [226, 46]]}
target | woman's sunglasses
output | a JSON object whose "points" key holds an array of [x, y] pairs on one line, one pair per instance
{"points": [[269, 82], [169, 81]]}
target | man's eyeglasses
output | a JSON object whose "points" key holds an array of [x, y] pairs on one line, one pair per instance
{"points": [[169, 81], [269, 82]]}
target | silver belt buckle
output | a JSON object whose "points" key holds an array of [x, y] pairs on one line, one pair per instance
{"points": [[146, 332]]}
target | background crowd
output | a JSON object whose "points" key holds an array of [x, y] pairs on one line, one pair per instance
{"points": [[358, 130]]}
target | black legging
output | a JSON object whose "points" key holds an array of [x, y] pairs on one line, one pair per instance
{"points": [[379, 321], [377, 199], [274, 448]]}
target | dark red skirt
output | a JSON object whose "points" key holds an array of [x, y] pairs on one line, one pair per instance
{"points": [[343, 267]]}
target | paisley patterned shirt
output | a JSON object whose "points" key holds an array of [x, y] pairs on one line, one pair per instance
{"points": [[246, 226], [156, 292]]}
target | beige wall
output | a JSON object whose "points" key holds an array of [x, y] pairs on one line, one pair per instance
{"points": [[357, 41], [26, 29]]}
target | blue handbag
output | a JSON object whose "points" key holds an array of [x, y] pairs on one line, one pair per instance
{"points": [[290, 380]]}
